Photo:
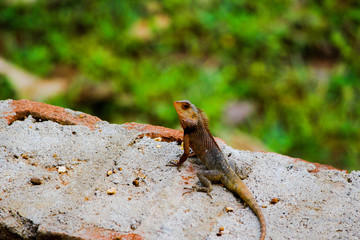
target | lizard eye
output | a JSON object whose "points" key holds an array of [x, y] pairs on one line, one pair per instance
{"points": [[186, 106]]}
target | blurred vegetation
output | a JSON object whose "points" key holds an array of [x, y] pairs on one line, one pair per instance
{"points": [[296, 62], [6, 89]]}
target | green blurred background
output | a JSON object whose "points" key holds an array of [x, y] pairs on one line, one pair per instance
{"points": [[280, 75]]}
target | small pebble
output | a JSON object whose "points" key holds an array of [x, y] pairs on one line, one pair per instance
{"points": [[35, 181], [229, 209], [158, 139], [111, 191], [109, 172], [62, 169], [158, 146], [136, 182], [274, 201], [221, 228], [133, 226]]}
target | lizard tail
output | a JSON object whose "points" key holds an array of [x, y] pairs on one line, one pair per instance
{"points": [[261, 218], [256, 209], [246, 195]]}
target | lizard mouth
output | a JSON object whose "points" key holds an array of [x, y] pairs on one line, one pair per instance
{"points": [[177, 105]]}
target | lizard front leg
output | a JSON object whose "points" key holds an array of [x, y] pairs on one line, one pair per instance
{"points": [[205, 178], [184, 156]]}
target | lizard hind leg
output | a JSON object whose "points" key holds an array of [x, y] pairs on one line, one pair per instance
{"points": [[242, 173], [205, 178]]}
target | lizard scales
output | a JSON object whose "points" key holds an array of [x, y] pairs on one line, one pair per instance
{"points": [[197, 136]]}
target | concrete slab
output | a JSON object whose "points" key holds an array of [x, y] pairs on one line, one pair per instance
{"points": [[300, 200]]}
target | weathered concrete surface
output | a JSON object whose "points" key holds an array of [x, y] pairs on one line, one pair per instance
{"points": [[315, 201]]}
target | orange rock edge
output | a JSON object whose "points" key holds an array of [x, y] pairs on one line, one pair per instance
{"points": [[23, 108]]}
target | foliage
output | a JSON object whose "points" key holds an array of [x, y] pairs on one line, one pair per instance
{"points": [[6, 89], [297, 61]]}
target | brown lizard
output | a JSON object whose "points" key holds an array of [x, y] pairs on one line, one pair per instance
{"points": [[197, 136]]}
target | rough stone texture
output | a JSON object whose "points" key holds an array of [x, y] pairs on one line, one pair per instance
{"points": [[315, 201]]}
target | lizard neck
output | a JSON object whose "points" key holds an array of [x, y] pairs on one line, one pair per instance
{"points": [[202, 142]]}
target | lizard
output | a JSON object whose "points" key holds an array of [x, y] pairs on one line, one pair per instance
{"points": [[198, 137]]}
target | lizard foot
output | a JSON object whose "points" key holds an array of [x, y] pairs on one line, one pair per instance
{"points": [[197, 189], [190, 190], [173, 164]]}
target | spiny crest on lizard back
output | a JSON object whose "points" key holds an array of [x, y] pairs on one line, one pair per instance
{"points": [[205, 120]]}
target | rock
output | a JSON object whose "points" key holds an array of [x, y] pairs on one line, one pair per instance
{"points": [[111, 191], [315, 201], [62, 169], [35, 181]]}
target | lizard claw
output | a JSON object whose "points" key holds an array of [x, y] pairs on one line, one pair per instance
{"points": [[173, 164], [190, 190], [195, 188]]}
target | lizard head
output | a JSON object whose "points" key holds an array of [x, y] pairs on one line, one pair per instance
{"points": [[187, 112]]}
